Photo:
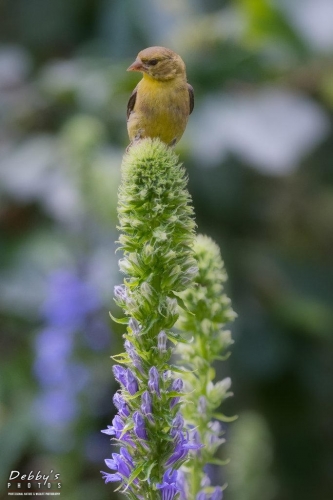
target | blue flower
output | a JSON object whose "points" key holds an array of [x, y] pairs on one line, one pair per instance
{"points": [[110, 478], [131, 383], [217, 494], [201, 496], [122, 463], [139, 426], [176, 386], [121, 405], [161, 342], [182, 446], [69, 300], [134, 325], [146, 404], [182, 485], [68, 307], [169, 486], [126, 378], [120, 293], [153, 382], [177, 424], [120, 374], [117, 430]]}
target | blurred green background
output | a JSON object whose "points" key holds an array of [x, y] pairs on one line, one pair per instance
{"points": [[258, 150]]}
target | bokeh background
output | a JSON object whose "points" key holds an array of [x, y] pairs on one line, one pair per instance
{"points": [[258, 150]]}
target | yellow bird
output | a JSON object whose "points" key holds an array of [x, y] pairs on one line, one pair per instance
{"points": [[162, 101]]}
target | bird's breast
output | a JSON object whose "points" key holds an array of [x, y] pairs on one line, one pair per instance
{"points": [[161, 110]]}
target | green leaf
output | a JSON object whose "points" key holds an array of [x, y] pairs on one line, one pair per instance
{"points": [[176, 338], [121, 358], [223, 358], [179, 369], [121, 321], [225, 418], [134, 475], [181, 303], [174, 394], [218, 461], [148, 471]]}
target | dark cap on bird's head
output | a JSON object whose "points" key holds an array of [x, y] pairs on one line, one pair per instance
{"points": [[159, 63]]}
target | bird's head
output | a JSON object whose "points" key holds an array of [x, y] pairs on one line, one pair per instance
{"points": [[159, 63]]}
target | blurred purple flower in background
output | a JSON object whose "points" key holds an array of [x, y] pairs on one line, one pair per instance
{"points": [[69, 301], [69, 308]]}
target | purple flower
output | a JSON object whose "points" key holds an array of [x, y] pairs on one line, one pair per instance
{"points": [[182, 446], [216, 430], [110, 478], [117, 430], [56, 406], [131, 383], [201, 496], [153, 382], [177, 423], [170, 476], [182, 485], [69, 306], [146, 404], [139, 426], [218, 494], [161, 342], [169, 491], [133, 355], [134, 326], [69, 300], [120, 292], [121, 405], [197, 441], [120, 374], [169, 487], [125, 377], [118, 426], [127, 456], [202, 406], [176, 386], [122, 463], [110, 430], [179, 452]]}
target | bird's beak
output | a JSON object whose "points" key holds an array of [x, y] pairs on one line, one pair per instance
{"points": [[136, 66]]}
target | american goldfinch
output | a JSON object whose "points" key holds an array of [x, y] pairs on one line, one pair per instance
{"points": [[162, 101]]}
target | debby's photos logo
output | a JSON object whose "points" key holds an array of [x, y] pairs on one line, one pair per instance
{"points": [[33, 484]]}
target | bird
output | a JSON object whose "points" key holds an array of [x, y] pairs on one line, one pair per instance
{"points": [[160, 105]]}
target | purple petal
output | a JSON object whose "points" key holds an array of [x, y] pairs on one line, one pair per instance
{"points": [[139, 426], [146, 405], [131, 383], [121, 465], [161, 342], [111, 463], [153, 382], [168, 491], [218, 494], [120, 374], [110, 430], [110, 478]]}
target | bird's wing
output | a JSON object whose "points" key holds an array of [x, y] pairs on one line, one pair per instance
{"points": [[131, 102], [191, 94]]}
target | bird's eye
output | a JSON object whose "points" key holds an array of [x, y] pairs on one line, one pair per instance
{"points": [[153, 62]]}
